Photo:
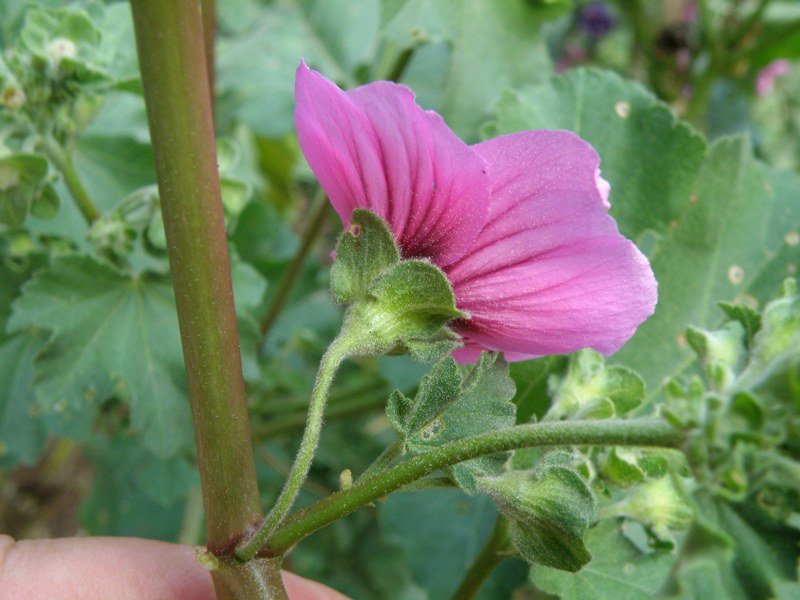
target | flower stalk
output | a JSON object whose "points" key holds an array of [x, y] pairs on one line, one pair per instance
{"points": [[318, 212], [63, 162], [633, 432], [494, 552], [339, 349]]}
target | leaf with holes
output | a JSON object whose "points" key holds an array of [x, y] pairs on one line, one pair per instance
{"points": [[455, 402]]}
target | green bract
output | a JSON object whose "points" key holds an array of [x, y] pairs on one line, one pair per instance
{"points": [[550, 509], [364, 251], [395, 305]]}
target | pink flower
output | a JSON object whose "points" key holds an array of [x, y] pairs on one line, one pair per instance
{"points": [[765, 80], [519, 223]]}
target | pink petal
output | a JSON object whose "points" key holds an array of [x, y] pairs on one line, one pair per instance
{"points": [[765, 80], [549, 273], [374, 148]]}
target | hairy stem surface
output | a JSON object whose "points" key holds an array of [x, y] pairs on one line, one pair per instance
{"points": [[334, 356], [633, 432]]}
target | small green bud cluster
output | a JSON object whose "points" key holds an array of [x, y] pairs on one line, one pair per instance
{"points": [[745, 409], [590, 389]]}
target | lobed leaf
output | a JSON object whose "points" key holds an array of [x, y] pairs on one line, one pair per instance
{"points": [[453, 403], [111, 334]]}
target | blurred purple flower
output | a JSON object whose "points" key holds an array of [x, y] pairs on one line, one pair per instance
{"points": [[765, 80], [519, 223], [596, 19], [690, 12]]}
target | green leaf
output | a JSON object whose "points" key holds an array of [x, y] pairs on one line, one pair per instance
{"points": [[437, 391], [748, 317], [591, 389], [454, 403], [111, 334], [531, 377], [364, 251], [550, 509], [728, 556], [43, 25], [417, 295], [46, 204], [724, 345], [135, 493], [776, 346], [113, 167], [479, 46], [21, 432], [618, 571], [441, 533], [333, 36], [721, 352], [659, 505], [786, 590], [622, 467], [113, 171], [20, 177]]}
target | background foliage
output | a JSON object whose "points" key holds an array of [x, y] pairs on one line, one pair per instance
{"points": [[95, 434]]}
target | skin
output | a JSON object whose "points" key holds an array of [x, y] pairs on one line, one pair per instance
{"points": [[119, 569]]}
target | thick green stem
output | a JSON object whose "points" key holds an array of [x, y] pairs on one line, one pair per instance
{"points": [[318, 212], [63, 162], [492, 554], [209, 12], [633, 432], [169, 38], [334, 356]]}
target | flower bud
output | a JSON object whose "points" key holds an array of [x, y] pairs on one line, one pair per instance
{"points": [[61, 48], [13, 97], [657, 504]]}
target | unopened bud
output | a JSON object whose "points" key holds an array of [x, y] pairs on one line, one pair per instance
{"points": [[61, 48], [345, 480], [12, 97], [657, 504]]}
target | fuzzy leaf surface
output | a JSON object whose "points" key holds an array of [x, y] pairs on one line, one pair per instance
{"points": [[455, 402], [111, 334]]}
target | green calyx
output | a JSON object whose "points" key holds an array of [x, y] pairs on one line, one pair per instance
{"points": [[395, 305], [550, 509]]}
